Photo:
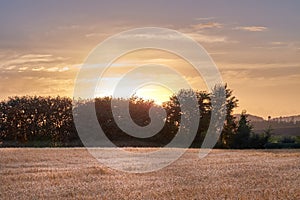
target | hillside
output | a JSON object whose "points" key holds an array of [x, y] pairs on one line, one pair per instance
{"points": [[252, 118], [289, 126]]}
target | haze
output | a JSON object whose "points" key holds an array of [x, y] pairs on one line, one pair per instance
{"points": [[255, 44]]}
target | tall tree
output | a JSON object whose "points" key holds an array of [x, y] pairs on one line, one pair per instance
{"points": [[242, 137], [226, 139]]}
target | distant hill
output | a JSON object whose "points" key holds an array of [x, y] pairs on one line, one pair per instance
{"points": [[289, 126], [294, 119], [252, 118]]}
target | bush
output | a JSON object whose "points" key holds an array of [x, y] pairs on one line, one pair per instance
{"points": [[282, 145], [45, 119], [287, 139]]}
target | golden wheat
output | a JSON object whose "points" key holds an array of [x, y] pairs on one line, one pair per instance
{"points": [[28, 173]]}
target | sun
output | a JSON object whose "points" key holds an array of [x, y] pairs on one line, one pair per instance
{"points": [[157, 93]]}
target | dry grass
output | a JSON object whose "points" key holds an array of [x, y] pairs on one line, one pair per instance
{"points": [[223, 174]]}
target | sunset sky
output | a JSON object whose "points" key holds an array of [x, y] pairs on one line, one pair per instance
{"points": [[255, 44]]}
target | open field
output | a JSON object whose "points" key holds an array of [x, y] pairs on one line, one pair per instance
{"points": [[28, 173]]}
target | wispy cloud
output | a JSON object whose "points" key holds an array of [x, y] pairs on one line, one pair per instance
{"points": [[89, 35], [207, 25], [37, 69], [204, 18], [260, 71], [252, 28], [208, 38], [57, 69], [278, 43], [205, 32], [33, 56], [23, 68], [30, 59]]}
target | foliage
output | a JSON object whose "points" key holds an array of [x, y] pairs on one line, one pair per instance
{"points": [[174, 113], [242, 136], [226, 139], [26, 119], [48, 121], [259, 141]]}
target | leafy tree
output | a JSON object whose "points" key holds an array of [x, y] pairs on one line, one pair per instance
{"points": [[226, 139], [288, 139], [174, 113], [242, 137], [26, 120], [260, 140]]}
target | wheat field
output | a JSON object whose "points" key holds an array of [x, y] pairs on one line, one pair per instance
{"points": [[72, 173]]}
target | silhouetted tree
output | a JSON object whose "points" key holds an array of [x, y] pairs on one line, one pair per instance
{"points": [[242, 136], [226, 139], [31, 120]]}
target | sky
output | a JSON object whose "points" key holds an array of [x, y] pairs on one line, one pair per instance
{"points": [[255, 45]]}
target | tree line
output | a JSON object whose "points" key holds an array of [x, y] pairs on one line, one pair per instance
{"points": [[48, 121]]}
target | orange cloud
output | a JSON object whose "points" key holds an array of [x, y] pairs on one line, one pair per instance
{"points": [[206, 25], [252, 28]]}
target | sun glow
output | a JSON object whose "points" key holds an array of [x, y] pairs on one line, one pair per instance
{"points": [[157, 93]]}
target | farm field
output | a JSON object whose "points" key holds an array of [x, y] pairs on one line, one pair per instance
{"points": [[72, 173]]}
